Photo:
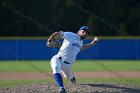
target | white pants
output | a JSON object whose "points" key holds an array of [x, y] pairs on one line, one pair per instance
{"points": [[59, 66]]}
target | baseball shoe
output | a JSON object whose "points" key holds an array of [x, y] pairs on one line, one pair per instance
{"points": [[73, 80], [62, 90]]}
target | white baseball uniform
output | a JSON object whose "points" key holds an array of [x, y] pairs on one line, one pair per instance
{"points": [[67, 54]]}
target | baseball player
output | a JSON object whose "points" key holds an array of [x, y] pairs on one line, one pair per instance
{"points": [[62, 62]]}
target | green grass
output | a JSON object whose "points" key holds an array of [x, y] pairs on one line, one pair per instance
{"points": [[78, 66], [24, 66], [105, 65], [11, 83]]}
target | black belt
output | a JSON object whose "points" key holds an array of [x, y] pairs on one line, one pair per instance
{"points": [[64, 61]]}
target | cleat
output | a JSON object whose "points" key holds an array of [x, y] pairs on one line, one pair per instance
{"points": [[62, 90], [73, 80]]}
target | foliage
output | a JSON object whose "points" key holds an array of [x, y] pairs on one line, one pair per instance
{"points": [[104, 17]]}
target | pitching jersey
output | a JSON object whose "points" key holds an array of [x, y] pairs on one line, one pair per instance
{"points": [[70, 46]]}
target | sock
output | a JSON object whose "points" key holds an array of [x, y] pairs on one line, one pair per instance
{"points": [[59, 80]]}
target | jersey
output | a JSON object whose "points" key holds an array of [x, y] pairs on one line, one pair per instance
{"points": [[70, 46]]}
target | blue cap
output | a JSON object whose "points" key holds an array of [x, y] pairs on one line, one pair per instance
{"points": [[84, 28]]}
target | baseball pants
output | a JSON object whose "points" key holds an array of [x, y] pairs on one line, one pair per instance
{"points": [[59, 66]]}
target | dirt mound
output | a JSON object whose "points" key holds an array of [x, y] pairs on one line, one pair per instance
{"points": [[77, 88]]}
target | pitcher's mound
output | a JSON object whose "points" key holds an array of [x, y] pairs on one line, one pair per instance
{"points": [[77, 88]]}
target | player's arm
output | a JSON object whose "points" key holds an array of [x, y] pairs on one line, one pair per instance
{"points": [[94, 41], [53, 37]]}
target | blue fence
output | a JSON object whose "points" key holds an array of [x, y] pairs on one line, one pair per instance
{"points": [[37, 50]]}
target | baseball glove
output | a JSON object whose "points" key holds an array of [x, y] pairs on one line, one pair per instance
{"points": [[54, 44]]}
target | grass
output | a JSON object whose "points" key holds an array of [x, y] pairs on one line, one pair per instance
{"points": [[78, 66], [25, 66], [105, 65], [11, 83]]}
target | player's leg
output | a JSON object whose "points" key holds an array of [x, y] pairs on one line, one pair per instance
{"points": [[67, 72], [56, 67], [73, 80]]}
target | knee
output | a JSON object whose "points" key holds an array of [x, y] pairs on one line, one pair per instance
{"points": [[67, 77], [56, 69], [56, 66]]}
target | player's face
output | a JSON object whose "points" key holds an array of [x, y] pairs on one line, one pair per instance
{"points": [[83, 34]]}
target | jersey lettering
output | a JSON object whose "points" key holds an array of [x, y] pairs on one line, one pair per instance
{"points": [[76, 45]]}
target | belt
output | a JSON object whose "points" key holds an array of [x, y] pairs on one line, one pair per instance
{"points": [[63, 61]]}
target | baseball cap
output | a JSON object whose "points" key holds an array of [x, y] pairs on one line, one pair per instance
{"points": [[84, 28]]}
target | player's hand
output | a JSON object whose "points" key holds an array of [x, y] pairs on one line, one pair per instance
{"points": [[95, 40]]}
